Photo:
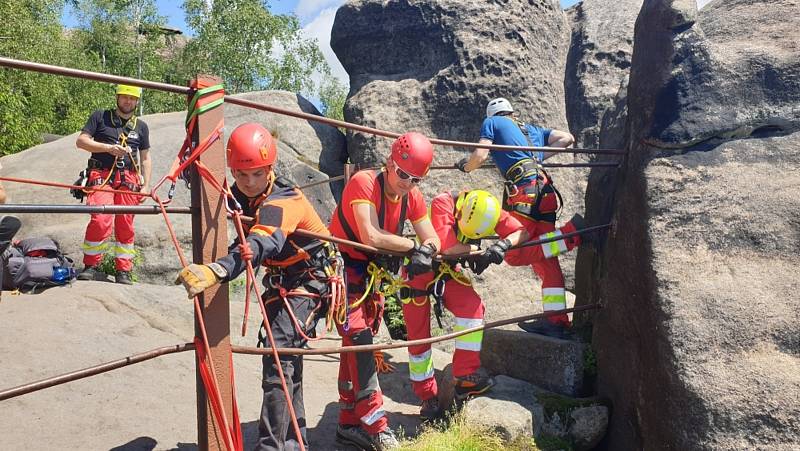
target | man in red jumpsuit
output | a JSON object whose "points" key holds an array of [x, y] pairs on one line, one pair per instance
{"points": [[373, 210], [460, 221], [119, 144]]}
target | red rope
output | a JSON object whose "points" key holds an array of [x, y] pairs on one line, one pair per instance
{"points": [[64, 185]]}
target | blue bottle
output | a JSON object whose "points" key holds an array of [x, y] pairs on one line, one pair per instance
{"points": [[62, 274]]}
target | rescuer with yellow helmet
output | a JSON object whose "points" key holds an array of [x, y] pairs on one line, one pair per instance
{"points": [[461, 221], [119, 144]]}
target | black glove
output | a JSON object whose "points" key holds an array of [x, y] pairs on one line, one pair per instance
{"points": [[494, 254], [421, 259], [390, 263], [462, 164]]}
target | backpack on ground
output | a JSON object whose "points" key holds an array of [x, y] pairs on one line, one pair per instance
{"points": [[35, 263]]}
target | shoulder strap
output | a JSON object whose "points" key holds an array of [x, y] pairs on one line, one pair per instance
{"points": [[345, 226], [403, 210], [382, 209]]}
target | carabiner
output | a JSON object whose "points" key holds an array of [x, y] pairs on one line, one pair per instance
{"points": [[438, 288], [271, 281]]}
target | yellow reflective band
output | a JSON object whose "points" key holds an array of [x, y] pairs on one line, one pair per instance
{"points": [[553, 248], [123, 253], [94, 247], [471, 341], [420, 367], [554, 298]]}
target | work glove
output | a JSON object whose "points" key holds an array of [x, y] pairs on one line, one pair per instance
{"points": [[197, 278], [421, 259], [494, 254], [462, 164]]}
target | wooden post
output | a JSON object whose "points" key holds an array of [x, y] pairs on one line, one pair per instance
{"points": [[210, 242]]}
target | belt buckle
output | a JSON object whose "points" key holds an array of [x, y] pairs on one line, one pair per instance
{"points": [[120, 164]]}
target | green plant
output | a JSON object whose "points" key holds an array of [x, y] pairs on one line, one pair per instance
{"points": [[393, 316], [108, 266]]}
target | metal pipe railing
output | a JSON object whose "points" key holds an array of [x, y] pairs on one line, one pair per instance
{"points": [[77, 73], [88, 209]]}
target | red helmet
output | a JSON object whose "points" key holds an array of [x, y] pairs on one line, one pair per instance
{"points": [[413, 153], [251, 146]]}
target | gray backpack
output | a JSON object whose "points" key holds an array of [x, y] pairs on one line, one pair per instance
{"points": [[35, 263]]}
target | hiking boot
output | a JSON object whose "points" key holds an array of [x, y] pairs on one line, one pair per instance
{"points": [[473, 384], [543, 326], [355, 436], [430, 409], [590, 238], [124, 277], [92, 273]]}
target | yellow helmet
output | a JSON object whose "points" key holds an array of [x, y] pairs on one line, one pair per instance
{"points": [[477, 213], [133, 91]]}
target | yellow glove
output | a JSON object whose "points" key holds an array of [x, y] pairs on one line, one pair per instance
{"points": [[197, 278]]}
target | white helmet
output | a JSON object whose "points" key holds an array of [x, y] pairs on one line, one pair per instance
{"points": [[497, 105]]}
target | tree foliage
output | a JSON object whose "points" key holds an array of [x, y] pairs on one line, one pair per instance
{"points": [[250, 48], [240, 40], [332, 95]]}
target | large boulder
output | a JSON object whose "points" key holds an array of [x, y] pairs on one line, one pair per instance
{"points": [[598, 63], [698, 277], [300, 145], [518, 411], [742, 78], [432, 66]]}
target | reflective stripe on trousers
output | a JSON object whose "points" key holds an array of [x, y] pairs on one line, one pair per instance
{"points": [[471, 341]]}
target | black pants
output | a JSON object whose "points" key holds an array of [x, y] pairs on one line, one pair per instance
{"points": [[9, 226], [275, 429]]}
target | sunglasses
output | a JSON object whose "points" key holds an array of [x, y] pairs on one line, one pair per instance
{"points": [[406, 176]]}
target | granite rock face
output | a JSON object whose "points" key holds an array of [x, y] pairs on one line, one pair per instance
{"points": [[699, 324], [598, 64]]}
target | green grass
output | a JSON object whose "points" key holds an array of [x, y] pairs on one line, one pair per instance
{"points": [[455, 436]]}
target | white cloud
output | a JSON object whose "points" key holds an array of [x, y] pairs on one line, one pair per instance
{"points": [[319, 28], [310, 8]]}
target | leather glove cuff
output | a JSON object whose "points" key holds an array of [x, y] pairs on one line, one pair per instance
{"points": [[218, 270]]}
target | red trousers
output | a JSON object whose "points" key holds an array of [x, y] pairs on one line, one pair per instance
{"points": [[543, 258], [99, 228], [360, 396], [465, 304]]}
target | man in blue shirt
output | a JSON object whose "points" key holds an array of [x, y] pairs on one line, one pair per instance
{"points": [[530, 197]]}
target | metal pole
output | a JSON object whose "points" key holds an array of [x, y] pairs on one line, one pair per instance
{"points": [[210, 242], [96, 76], [546, 165], [85, 209], [92, 371], [405, 344], [57, 70]]}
